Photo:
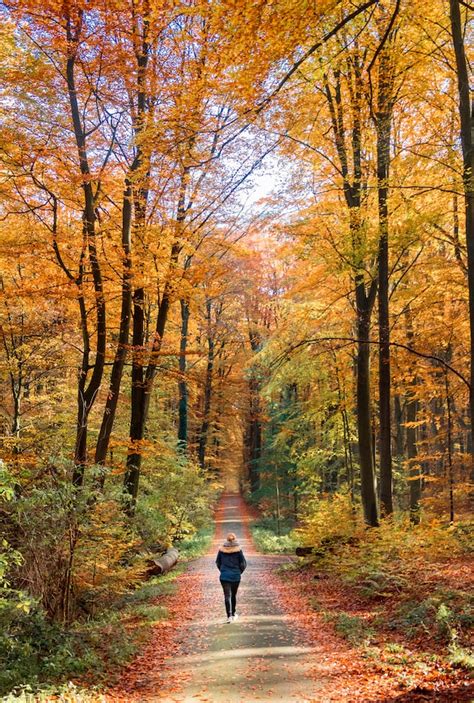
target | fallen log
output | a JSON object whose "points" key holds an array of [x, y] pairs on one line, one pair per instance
{"points": [[160, 565], [303, 551]]}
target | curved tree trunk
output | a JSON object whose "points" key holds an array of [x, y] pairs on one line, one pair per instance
{"points": [[87, 392]]}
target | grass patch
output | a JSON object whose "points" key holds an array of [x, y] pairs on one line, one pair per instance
{"points": [[273, 538], [68, 693], [352, 628], [198, 544]]}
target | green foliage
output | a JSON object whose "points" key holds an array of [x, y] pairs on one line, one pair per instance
{"points": [[464, 533], [270, 543], [373, 582], [353, 628], [67, 693], [273, 536], [81, 547], [35, 651], [197, 544], [174, 503], [447, 616], [462, 658]]}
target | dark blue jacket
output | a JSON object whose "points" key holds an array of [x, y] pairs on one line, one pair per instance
{"points": [[231, 565]]}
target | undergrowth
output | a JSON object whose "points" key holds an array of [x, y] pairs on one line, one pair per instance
{"points": [[396, 570], [41, 658], [271, 537]]}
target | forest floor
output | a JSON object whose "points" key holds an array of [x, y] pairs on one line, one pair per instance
{"points": [[283, 647]]}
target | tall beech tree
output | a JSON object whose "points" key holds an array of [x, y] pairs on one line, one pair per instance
{"points": [[383, 124], [466, 118], [347, 122]]}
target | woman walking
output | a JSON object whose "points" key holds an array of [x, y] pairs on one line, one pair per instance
{"points": [[231, 563]]}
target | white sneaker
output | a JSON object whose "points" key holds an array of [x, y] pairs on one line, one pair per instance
{"points": [[235, 616], [229, 619]]}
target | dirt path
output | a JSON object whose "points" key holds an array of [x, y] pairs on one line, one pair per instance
{"points": [[280, 649], [260, 657]]}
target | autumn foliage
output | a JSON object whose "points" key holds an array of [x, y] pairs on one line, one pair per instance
{"points": [[237, 247]]}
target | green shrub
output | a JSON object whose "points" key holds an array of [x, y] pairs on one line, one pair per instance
{"points": [[352, 628], [268, 542], [461, 658], [376, 583], [435, 618]]}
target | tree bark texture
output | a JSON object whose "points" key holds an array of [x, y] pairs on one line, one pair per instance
{"points": [[182, 384], [87, 391], [206, 416], [466, 114]]}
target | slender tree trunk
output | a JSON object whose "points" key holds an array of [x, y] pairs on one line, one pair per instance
{"points": [[86, 393], [121, 351], [141, 168], [137, 418], [412, 455], [142, 381], [182, 384], [254, 424], [365, 292], [449, 443], [411, 410], [203, 436], [398, 424], [383, 162], [364, 424], [254, 434], [466, 114]]}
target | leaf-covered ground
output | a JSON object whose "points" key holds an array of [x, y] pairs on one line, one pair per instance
{"points": [[299, 638]]}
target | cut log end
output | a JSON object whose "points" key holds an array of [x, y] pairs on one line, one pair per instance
{"points": [[161, 565]]}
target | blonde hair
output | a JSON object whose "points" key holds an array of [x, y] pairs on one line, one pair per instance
{"points": [[231, 537]]}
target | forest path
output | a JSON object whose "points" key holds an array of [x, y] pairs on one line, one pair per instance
{"points": [[260, 657]]}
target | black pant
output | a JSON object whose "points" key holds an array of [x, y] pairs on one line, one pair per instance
{"points": [[230, 595]]}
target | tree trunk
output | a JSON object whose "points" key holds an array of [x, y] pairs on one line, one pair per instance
{"points": [[412, 454], [411, 410], [466, 114], [142, 381], [182, 384], [365, 292], [449, 446], [398, 420], [86, 394], [137, 418], [383, 162], [364, 425], [203, 436], [254, 434], [121, 351], [254, 426]]}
